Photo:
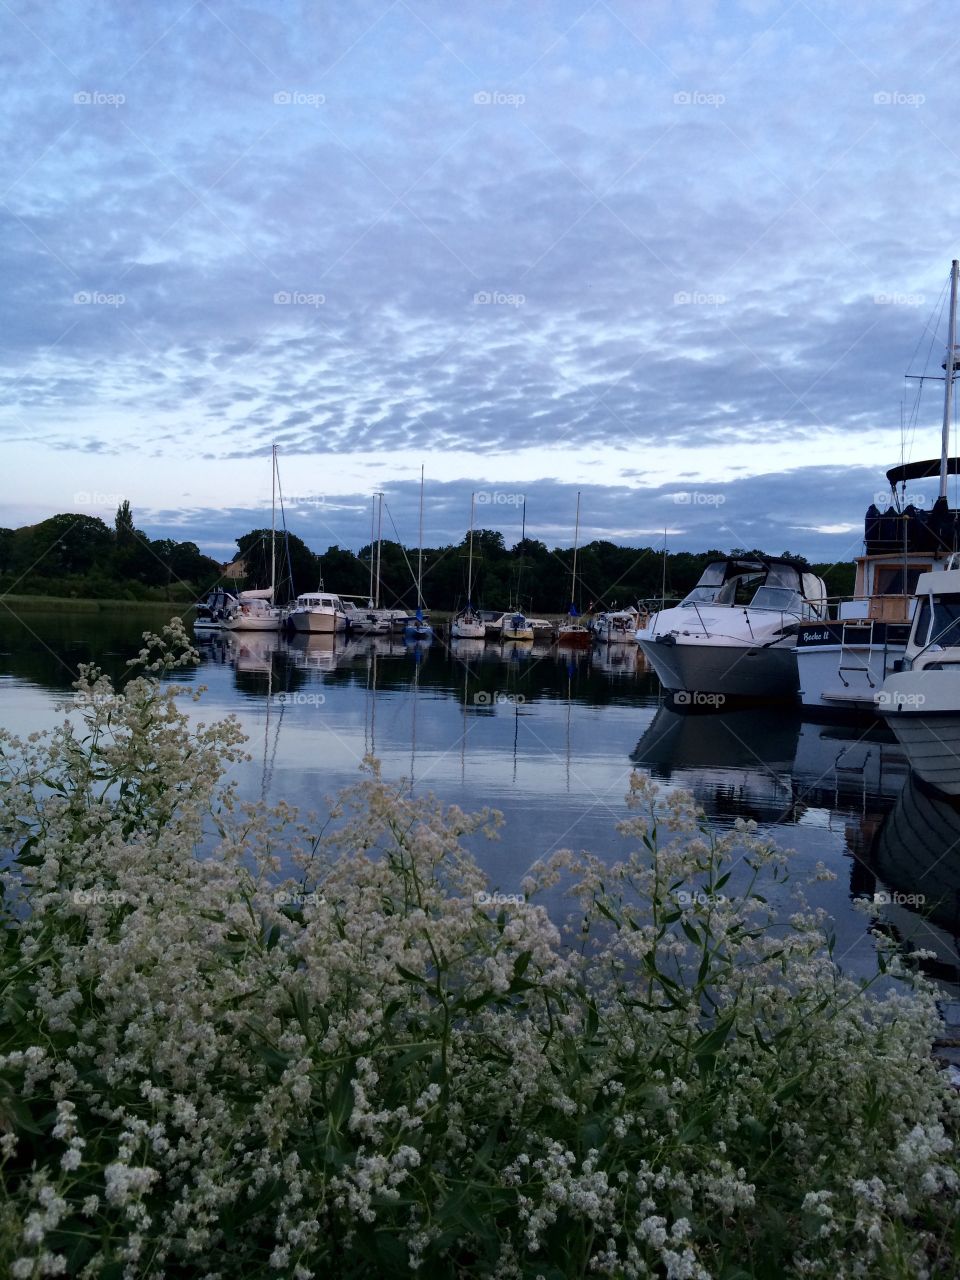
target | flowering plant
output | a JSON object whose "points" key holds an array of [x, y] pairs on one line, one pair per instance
{"points": [[232, 1046]]}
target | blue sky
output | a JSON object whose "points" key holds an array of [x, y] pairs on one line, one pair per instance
{"points": [[641, 250]]}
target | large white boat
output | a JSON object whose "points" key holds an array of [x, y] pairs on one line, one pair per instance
{"points": [[734, 634], [921, 701], [842, 663], [318, 613]]}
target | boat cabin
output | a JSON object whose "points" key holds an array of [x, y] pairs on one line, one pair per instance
{"points": [[783, 586]]}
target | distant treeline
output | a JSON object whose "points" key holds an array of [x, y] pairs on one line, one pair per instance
{"points": [[81, 556]]}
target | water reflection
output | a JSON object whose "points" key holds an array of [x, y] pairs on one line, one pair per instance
{"points": [[549, 738]]}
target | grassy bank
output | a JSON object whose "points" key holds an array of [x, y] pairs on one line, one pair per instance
{"points": [[73, 604]]}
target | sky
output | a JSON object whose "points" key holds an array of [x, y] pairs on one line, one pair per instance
{"points": [[675, 255]]}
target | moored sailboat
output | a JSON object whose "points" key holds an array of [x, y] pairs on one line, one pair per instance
{"points": [[573, 634], [468, 624]]}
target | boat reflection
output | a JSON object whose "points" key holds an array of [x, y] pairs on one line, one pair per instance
{"points": [[915, 862]]}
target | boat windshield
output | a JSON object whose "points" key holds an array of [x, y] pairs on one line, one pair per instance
{"points": [[701, 595], [781, 599], [945, 632]]}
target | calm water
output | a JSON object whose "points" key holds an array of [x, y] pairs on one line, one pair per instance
{"points": [[550, 740]]}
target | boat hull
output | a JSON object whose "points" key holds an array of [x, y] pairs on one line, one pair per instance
{"points": [[840, 666], [578, 639], [322, 624], [922, 707], [252, 623], [735, 671], [460, 630]]}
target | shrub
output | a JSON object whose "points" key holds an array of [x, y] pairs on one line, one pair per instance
{"points": [[231, 1046]]}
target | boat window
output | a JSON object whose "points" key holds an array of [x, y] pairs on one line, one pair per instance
{"points": [[326, 602], [713, 575], [701, 595], [888, 579], [783, 599], [921, 623], [945, 631], [782, 575]]}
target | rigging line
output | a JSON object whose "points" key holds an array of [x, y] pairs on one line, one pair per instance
{"points": [[933, 328], [413, 576], [286, 540]]}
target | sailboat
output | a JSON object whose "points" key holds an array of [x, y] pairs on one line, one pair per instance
{"points": [[572, 634], [418, 628], [468, 625], [514, 624], [256, 610]]}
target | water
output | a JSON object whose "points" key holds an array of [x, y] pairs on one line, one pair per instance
{"points": [[549, 739]]}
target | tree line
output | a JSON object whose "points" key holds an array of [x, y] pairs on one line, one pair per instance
{"points": [[82, 556]]}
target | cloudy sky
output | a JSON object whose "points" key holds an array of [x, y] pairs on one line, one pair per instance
{"points": [[673, 253]]}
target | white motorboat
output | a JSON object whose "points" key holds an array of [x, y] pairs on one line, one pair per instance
{"points": [[318, 613], [515, 626], [468, 624], [842, 663], [365, 622], [617, 627], [216, 606], [734, 634], [921, 701]]}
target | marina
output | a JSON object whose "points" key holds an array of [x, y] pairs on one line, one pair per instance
{"points": [[548, 737]]}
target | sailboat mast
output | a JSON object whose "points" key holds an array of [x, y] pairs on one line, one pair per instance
{"points": [[376, 601], [373, 530], [273, 525], [948, 370], [470, 559], [573, 575], [420, 549]]}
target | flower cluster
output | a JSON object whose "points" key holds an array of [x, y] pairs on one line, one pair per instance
{"points": [[231, 1046]]}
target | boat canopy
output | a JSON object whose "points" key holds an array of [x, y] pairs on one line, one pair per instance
{"points": [[263, 593], [928, 470]]}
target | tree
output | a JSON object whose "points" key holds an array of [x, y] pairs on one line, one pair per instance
{"points": [[123, 524]]}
